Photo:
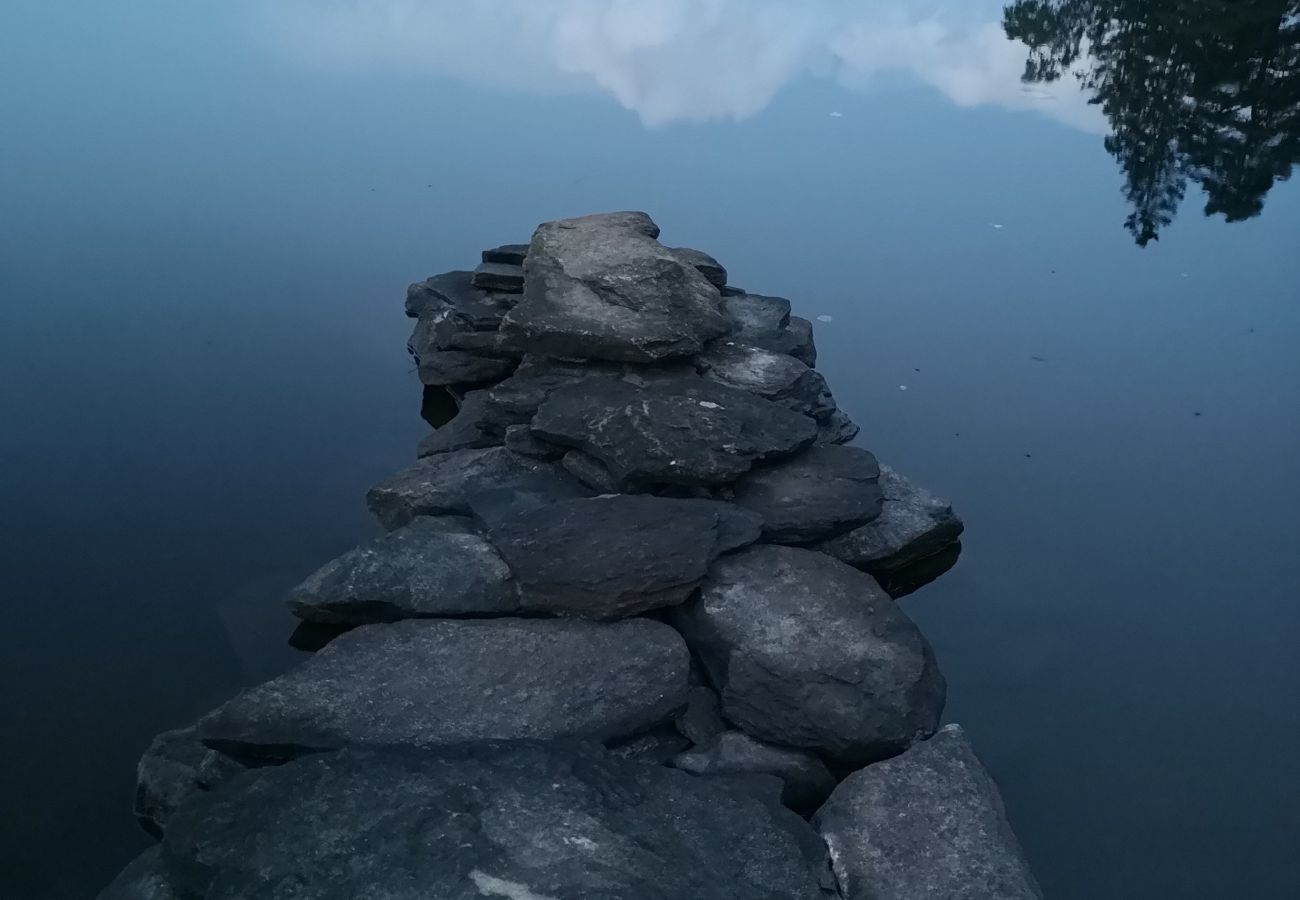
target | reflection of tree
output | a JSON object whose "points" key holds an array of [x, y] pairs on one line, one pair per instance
{"points": [[1200, 90]]}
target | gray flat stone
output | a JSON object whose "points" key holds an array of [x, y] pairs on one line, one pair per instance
{"points": [[504, 277], [175, 769], [810, 653], [484, 310], [521, 821], [778, 377], [688, 431], [509, 254], [429, 683], [654, 748], [927, 825], [913, 525], [431, 567], [602, 287], [465, 483], [822, 491], [444, 368], [709, 267], [619, 555], [806, 780], [465, 431], [838, 428], [520, 441], [758, 320]]}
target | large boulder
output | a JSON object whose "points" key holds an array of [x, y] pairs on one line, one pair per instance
{"points": [[806, 780], [436, 682], [927, 825], [822, 491], [431, 567], [808, 652], [778, 377], [522, 821], [913, 525], [175, 769], [467, 482], [618, 555], [686, 431], [602, 287]]}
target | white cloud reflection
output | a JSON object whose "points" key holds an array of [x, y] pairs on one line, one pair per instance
{"points": [[679, 60]]}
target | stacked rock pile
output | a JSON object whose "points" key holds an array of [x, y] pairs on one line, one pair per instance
{"points": [[629, 634]]}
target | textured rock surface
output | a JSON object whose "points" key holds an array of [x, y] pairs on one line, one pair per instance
{"points": [[913, 525], [806, 780], [444, 368], [820, 492], [927, 825], [707, 266], [654, 748], [495, 276], [837, 428], [429, 683], [456, 291], [520, 821], [431, 567], [146, 878], [465, 430], [702, 721], [774, 376], [509, 254], [689, 431], [810, 653], [619, 555], [174, 770], [602, 287], [463, 482]]}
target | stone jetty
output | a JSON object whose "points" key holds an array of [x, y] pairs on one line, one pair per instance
{"points": [[631, 630]]}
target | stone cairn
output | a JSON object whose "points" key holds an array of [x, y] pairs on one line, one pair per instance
{"points": [[630, 633]]}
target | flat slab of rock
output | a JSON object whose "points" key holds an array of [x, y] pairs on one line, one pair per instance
{"points": [[495, 276], [522, 821], [761, 321], [778, 377], [687, 431], [927, 825], [175, 769], [619, 555], [913, 525], [709, 267], [464, 482], [837, 428], [436, 682], [483, 309], [602, 287], [806, 779], [431, 567], [509, 254], [466, 430], [810, 653], [822, 491], [446, 368]]}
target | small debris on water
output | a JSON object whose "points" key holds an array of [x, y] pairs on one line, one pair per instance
{"points": [[1198, 415], [825, 318], [1039, 358], [837, 115], [1028, 456], [1185, 275], [902, 387], [916, 370], [995, 225]]}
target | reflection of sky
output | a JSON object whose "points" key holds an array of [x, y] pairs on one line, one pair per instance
{"points": [[679, 60]]}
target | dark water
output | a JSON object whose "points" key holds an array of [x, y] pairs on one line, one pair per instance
{"points": [[209, 212]]}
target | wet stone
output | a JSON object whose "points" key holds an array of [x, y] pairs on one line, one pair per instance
{"points": [[823, 491], [492, 276], [507, 254]]}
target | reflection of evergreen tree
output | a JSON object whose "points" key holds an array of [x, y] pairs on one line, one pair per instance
{"points": [[1200, 90]]}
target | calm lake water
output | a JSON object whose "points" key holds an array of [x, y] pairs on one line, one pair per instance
{"points": [[209, 213]]}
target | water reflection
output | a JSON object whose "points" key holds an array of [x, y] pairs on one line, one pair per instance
{"points": [[1202, 91], [678, 60]]}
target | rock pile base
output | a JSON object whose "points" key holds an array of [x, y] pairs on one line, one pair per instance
{"points": [[633, 621]]}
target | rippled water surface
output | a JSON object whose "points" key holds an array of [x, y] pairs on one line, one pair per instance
{"points": [[1078, 320]]}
